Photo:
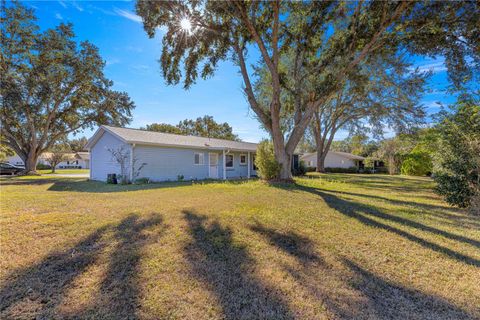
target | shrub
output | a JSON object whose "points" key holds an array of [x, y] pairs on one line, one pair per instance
{"points": [[342, 170], [180, 177], [417, 164], [301, 170], [268, 167], [42, 166], [142, 180], [457, 159], [311, 169]]}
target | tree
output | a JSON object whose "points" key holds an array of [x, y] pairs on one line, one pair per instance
{"points": [[328, 40], [58, 153], [267, 166], [51, 86], [204, 126], [162, 127], [417, 163], [394, 151], [121, 156], [5, 152], [457, 161], [78, 144]]}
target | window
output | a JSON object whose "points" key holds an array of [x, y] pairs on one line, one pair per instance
{"points": [[229, 160], [198, 158], [243, 159]]}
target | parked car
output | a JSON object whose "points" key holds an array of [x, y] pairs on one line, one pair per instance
{"points": [[7, 168]]}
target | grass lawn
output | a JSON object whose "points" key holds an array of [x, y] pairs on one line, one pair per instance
{"points": [[64, 171], [328, 247]]}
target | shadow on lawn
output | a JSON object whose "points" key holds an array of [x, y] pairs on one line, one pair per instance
{"points": [[37, 291], [228, 270], [364, 214], [378, 298], [290, 242], [387, 300]]}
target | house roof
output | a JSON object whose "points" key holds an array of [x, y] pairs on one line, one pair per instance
{"points": [[171, 140], [83, 155], [342, 154]]}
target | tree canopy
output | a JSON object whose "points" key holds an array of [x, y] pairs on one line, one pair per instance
{"points": [[328, 40], [204, 126], [51, 86]]}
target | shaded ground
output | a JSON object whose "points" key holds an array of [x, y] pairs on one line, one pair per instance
{"points": [[328, 247]]}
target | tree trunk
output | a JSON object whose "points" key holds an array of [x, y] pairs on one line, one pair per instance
{"points": [[31, 162], [321, 155], [53, 168]]}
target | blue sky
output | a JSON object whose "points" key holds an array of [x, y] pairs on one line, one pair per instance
{"points": [[132, 63]]}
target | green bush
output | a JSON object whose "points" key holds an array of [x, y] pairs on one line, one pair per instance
{"points": [[42, 166], [142, 180], [417, 164], [342, 170], [311, 169], [268, 167], [301, 170]]}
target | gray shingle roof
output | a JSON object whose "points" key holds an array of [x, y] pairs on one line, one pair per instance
{"points": [[168, 139]]}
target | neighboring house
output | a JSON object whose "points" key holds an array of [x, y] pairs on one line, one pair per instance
{"points": [[79, 160], [334, 159], [169, 156]]}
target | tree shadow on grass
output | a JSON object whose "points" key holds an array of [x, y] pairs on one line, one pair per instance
{"points": [[228, 271], [364, 213], [118, 297], [387, 300], [290, 242], [34, 292], [37, 291]]}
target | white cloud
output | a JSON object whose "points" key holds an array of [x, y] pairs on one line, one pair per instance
{"points": [[58, 16], [77, 6], [129, 15], [109, 62], [62, 4]]}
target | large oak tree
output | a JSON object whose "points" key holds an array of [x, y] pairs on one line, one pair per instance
{"points": [[51, 86], [329, 39]]}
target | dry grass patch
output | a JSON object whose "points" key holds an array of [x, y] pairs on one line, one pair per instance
{"points": [[330, 246]]}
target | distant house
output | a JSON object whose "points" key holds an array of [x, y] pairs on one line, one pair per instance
{"points": [[334, 159], [169, 156], [78, 160]]}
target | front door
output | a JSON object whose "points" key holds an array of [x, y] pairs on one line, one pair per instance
{"points": [[213, 165]]}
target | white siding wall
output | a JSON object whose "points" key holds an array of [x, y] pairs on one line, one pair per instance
{"points": [[332, 160], [101, 162]]}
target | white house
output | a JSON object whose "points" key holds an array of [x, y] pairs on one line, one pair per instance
{"points": [[334, 159], [168, 156], [78, 160]]}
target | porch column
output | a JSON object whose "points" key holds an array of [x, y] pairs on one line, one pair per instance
{"points": [[224, 165], [248, 165]]}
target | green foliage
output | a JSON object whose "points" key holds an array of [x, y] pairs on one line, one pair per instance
{"points": [[330, 48], [204, 126], [301, 170], [42, 166], [417, 164], [341, 170], [51, 85], [268, 167], [78, 144], [457, 162], [180, 177], [5, 152]]}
